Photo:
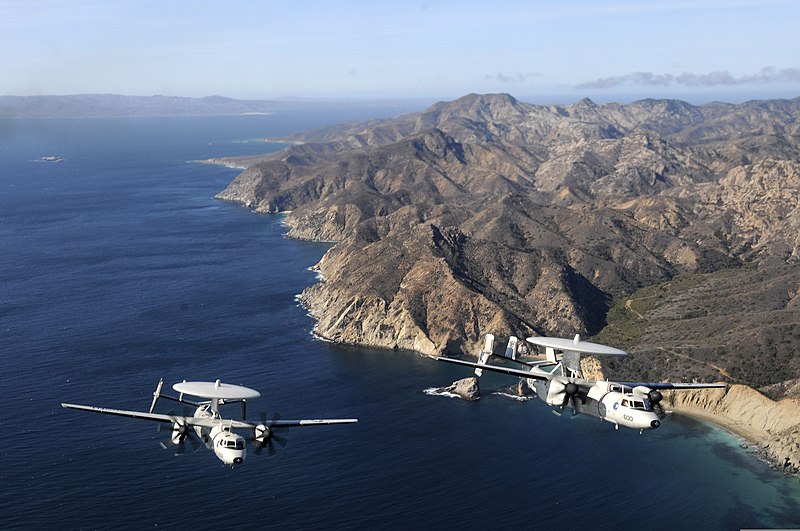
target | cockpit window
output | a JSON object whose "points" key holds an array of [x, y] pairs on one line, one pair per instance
{"points": [[237, 444], [636, 404]]}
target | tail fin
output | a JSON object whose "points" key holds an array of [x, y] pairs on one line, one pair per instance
{"points": [[486, 352], [156, 394], [511, 348]]}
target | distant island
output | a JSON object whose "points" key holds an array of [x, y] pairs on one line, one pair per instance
{"points": [[664, 228], [116, 105]]}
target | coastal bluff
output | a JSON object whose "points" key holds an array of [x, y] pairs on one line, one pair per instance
{"points": [[773, 425]]}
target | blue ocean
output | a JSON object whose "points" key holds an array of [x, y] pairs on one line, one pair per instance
{"points": [[118, 267]]}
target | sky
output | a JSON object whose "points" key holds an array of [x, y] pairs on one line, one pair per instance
{"points": [[431, 49]]}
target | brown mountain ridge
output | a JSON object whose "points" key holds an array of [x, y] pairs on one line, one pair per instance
{"points": [[488, 214]]}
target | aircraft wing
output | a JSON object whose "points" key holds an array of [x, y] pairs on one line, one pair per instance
{"points": [[207, 422], [664, 385], [252, 424], [535, 373], [307, 422], [158, 417]]}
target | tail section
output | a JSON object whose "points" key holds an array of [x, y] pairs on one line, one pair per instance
{"points": [[486, 352], [511, 348], [156, 394]]}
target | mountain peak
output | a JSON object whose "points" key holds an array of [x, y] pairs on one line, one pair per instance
{"points": [[582, 105]]}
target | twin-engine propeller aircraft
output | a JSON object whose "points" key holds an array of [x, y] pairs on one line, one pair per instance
{"points": [[558, 381], [209, 426]]}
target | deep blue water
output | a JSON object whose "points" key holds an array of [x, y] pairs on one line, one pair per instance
{"points": [[118, 267]]}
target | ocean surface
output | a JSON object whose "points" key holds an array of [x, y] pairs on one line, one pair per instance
{"points": [[118, 267]]}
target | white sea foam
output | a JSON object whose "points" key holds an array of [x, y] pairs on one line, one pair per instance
{"points": [[513, 397], [436, 391], [319, 337], [314, 269]]}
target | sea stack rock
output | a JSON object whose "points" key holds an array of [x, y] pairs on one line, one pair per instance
{"points": [[521, 389], [467, 388]]}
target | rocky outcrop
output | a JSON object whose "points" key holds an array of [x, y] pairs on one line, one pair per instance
{"points": [[773, 425], [521, 389], [466, 388]]}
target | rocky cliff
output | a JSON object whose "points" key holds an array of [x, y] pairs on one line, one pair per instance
{"points": [[773, 425]]}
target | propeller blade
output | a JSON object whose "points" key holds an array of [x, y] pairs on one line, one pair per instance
{"points": [[179, 432], [571, 390], [278, 439], [264, 435], [275, 437], [655, 398], [193, 441]]}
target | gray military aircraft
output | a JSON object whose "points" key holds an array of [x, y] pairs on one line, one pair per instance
{"points": [[558, 381], [209, 426]]}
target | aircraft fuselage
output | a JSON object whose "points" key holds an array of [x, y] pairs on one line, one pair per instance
{"points": [[607, 401], [229, 447]]}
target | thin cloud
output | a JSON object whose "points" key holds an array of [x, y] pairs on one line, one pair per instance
{"points": [[766, 76], [513, 78]]}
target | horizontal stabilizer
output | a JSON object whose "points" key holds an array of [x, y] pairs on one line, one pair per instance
{"points": [[534, 373]]}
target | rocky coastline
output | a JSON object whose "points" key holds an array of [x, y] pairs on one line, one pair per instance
{"points": [[488, 214], [772, 427]]}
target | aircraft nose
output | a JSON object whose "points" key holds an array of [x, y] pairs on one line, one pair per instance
{"points": [[655, 424]]}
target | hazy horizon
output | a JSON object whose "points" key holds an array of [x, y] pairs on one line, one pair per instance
{"points": [[698, 98], [432, 50]]}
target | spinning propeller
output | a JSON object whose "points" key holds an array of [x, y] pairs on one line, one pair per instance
{"points": [[655, 398], [570, 391], [265, 437], [180, 432]]}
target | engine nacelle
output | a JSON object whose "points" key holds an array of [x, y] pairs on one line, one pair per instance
{"points": [[555, 392], [261, 435], [558, 391], [179, 433]]}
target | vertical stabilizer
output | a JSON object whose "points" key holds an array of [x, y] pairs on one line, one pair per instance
{"points": [[156, 394], [488, 349], [571, 361], [511, 348]]}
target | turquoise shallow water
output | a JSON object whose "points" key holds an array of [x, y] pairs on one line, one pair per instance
{"points": [[118, 267]]}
